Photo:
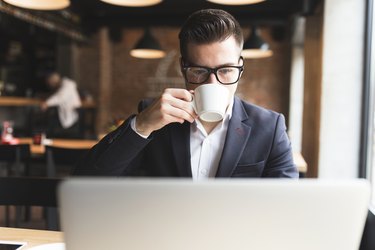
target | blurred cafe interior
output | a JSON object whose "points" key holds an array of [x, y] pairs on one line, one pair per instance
{"points": [[311, 60]]}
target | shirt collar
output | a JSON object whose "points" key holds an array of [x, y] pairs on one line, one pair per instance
{"points": [[228, 114]]}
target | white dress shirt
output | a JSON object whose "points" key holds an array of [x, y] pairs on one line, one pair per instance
{"points": [[205, 149], [67, 99]]}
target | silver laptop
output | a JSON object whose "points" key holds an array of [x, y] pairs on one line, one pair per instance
{"points": [[175, 214]]}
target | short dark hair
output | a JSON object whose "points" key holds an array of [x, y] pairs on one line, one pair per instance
{"points": [[48, 73], [207, 26]]}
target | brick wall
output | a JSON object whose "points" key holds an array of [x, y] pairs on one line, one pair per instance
{"points": [[265, 81]]}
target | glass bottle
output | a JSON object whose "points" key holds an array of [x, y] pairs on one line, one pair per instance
{"points": [[7, 134]]}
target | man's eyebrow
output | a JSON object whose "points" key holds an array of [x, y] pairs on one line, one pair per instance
{"points": [[218, 66]]}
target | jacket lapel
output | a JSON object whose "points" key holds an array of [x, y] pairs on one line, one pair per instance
{"points": [[180, 140], [236, 139]]}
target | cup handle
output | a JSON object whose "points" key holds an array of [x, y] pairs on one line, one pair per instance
{"points": [[193, 103]]}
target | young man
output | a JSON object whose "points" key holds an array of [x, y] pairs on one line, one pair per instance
{"points": [[167, 139]]}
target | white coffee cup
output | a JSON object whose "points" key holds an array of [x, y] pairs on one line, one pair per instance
{"points": [[210, 102]]}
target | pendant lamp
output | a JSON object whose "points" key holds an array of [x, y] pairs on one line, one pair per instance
{"points": [[133, 3], [255, 46], [40, 4], [235, 2], [147, 47]]}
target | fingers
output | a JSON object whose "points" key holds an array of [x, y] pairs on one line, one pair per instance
{"points": [[178, 111], [177, 107], [174, 105], [182, 94]]}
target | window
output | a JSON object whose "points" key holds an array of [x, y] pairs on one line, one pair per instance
{"points": [[368, 115]]}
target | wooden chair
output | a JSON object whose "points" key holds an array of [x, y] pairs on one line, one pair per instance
{"points": [[17, 161], [62, 158], [59, 159], [15, 156], [30, 191], [87, 122]]}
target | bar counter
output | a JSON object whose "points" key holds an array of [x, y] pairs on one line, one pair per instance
{"points": [[15, 101], [18, 101]]}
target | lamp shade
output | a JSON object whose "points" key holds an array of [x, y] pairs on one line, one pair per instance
{"points": [[133, 3], [147, 47], [40, 4], [235, 2], [255, 46]]}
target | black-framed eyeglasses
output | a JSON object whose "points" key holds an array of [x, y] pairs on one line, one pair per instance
{"points": [[225, 74]]}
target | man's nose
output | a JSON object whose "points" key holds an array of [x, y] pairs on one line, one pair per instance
{"points": [[212, 78]]}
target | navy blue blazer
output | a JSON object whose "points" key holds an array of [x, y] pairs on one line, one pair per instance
{"points": [[256, 145]]}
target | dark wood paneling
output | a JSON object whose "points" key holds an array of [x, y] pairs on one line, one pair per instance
{"points": [[312, 91]]}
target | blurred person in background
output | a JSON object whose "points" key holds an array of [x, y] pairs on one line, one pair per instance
{"points": [[65, 97]]}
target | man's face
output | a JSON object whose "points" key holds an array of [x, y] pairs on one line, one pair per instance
{"points": [[53, 81], [213, 55]]}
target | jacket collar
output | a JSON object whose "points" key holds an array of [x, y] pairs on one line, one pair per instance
{"points": [[237, 136]]}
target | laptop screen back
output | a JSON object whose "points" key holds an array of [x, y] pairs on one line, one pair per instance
{"points": [[166, 214]]}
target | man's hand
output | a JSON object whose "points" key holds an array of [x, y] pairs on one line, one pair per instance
{"points": [[43, 106], [174, 105]]}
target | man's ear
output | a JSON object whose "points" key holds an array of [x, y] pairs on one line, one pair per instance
{"points": [[242, 61], [181, 63]]}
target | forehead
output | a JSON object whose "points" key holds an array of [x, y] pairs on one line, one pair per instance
{"points": [[214, 54]]}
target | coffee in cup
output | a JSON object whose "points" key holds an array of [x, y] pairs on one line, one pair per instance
{"points": [[210, 102]]}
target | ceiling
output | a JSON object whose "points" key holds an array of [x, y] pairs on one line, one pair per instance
{"points": [[83, 17], [173, 12]]}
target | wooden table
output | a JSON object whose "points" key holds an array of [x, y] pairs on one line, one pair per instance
{"points": [[32, 237], [66, 143], [80, 143]]}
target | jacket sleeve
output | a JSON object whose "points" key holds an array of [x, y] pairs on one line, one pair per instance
{"points": [[118, 153], [280, 161], [115, 154]]}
